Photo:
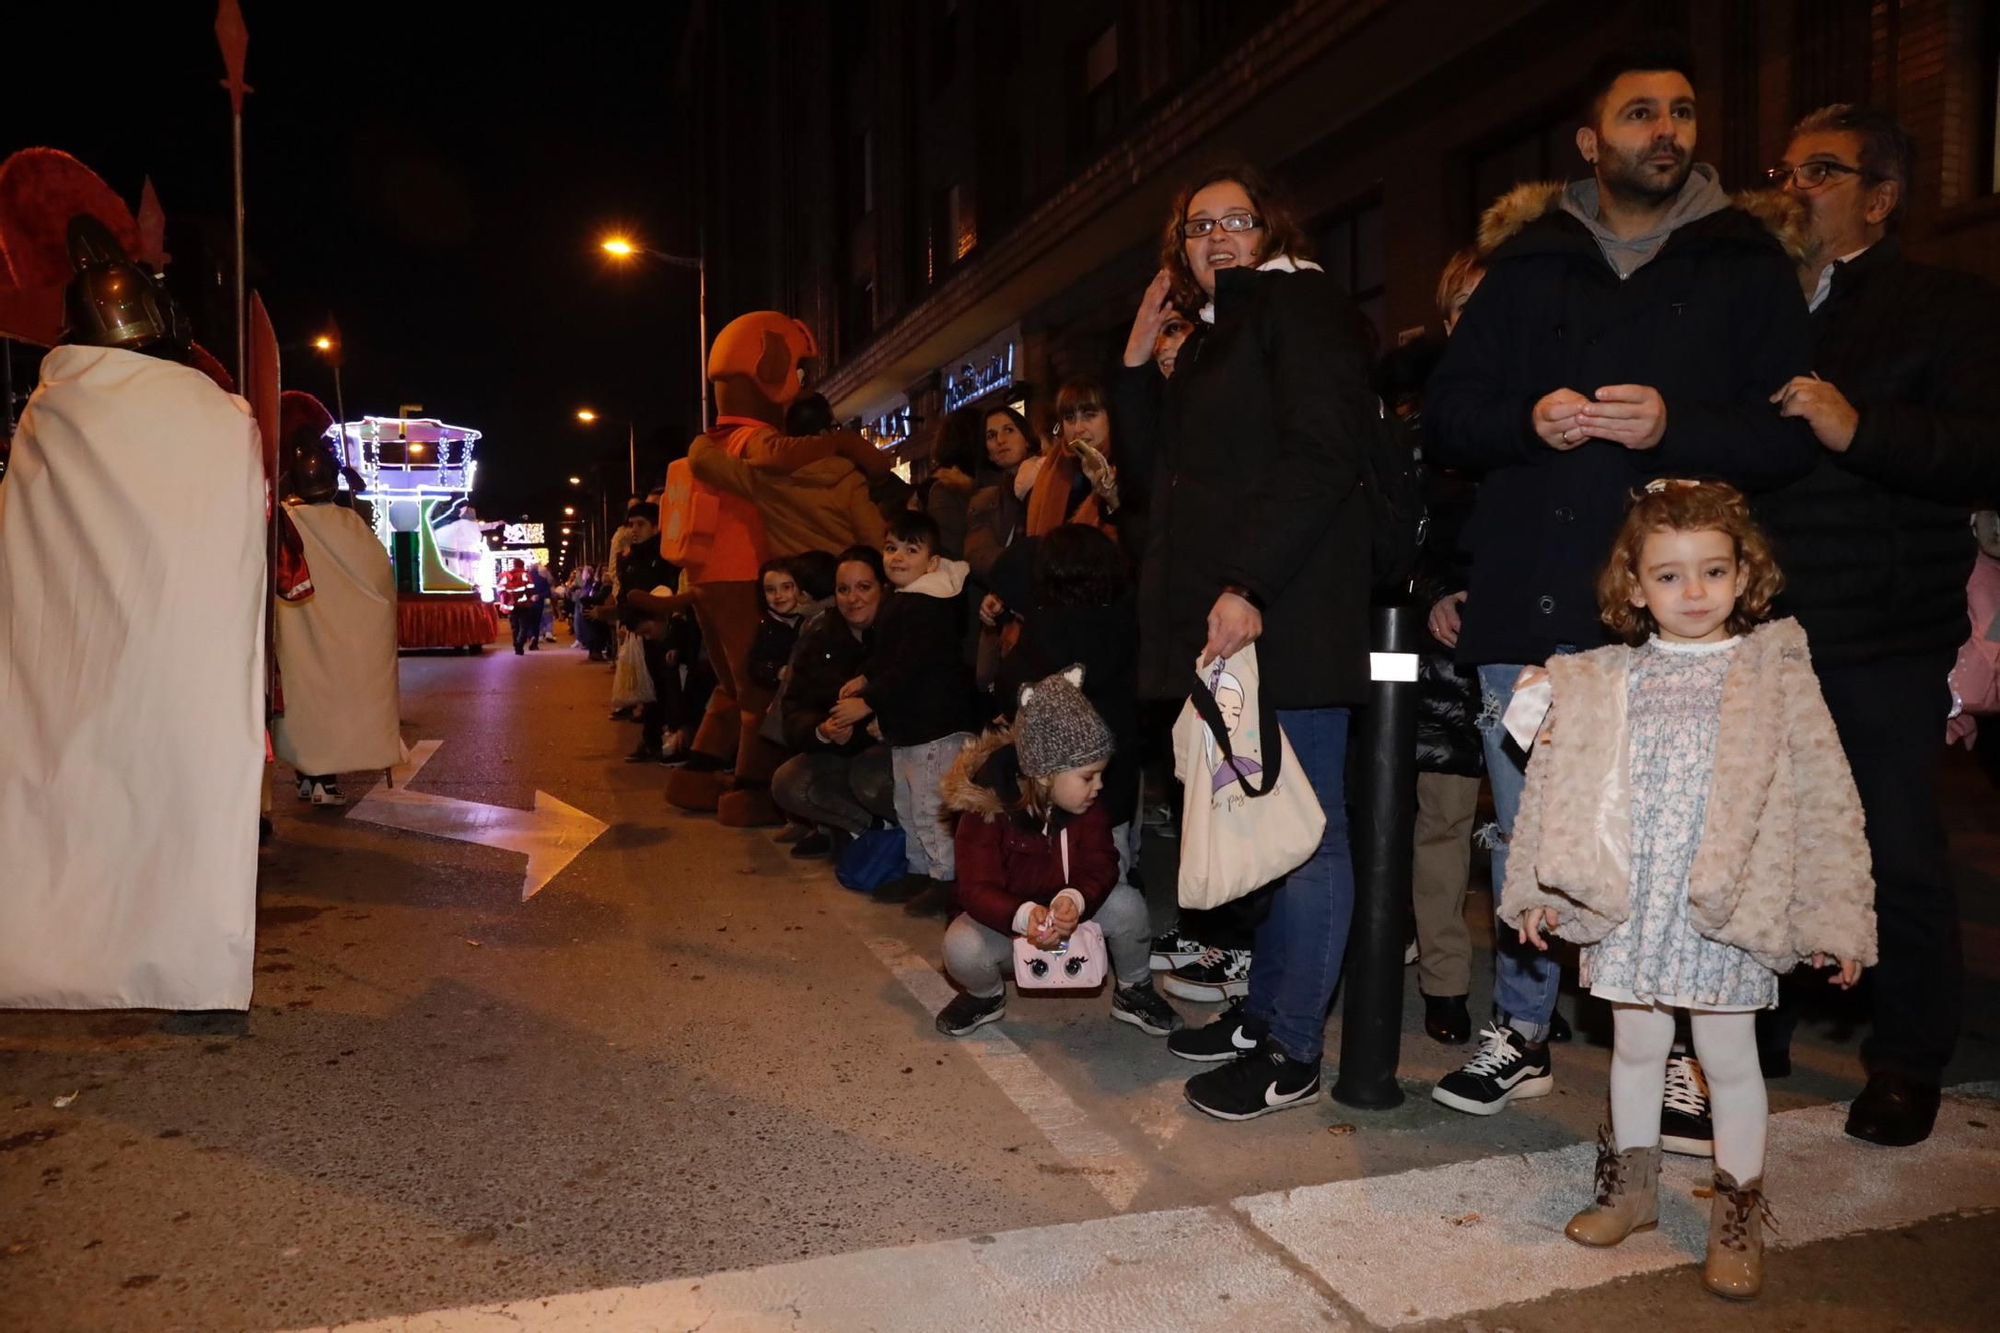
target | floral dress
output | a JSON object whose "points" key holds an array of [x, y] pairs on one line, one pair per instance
{"points": [[1673, 704]]}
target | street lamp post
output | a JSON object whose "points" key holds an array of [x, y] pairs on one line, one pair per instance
{"points": [[622, 247], [589, 417], [329, 347]]}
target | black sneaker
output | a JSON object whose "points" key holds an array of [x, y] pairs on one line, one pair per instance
{"points": [[1145, 1009], [1559, 1028], [1171, 949], [814, 844], [1264, 1081], [643, 755], [1219, 974], [934, 899], [1685, 1127], [968, 1012], [1505, 1068], [902, 890], [1231, 1036]]}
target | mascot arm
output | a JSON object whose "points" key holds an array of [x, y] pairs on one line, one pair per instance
{"points": [[714, 465]]}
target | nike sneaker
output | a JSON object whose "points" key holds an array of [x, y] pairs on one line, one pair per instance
{"points": [[1264, 1081], [1229, 1037]]}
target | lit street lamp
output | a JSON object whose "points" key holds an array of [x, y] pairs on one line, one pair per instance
{"points": [[623, 248], [589, 417], [328, 345]]}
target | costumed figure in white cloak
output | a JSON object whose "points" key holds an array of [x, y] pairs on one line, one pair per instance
{"points": [[132, 592], [462, 547], [336, 629]]}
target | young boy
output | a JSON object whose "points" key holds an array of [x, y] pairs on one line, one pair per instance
{"points": [[919, 688]]}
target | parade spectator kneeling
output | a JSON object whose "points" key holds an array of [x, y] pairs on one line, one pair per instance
{"points": [[1036, 859], [839, 777]]}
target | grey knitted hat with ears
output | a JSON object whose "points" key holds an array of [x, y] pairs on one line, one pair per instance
{"points": [[1057, 729]]}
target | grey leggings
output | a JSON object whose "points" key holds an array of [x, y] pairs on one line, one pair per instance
{"points": [[980, 959], [842, 791]]}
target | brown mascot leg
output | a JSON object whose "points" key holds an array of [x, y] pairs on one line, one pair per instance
{"points": [[727, 613], [747, 802]]}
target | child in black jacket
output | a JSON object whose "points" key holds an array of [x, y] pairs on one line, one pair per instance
{"points": [[918, 686]]}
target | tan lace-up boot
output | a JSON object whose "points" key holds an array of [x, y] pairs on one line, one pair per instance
{"points": [[1736, 1219], [1628, 1195]]}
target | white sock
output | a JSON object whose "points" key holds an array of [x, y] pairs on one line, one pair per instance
{"points": [[1726, 1045], [1643, 1034]]}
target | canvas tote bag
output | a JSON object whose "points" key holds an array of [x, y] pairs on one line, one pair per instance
{"points": [[1249, 815]]}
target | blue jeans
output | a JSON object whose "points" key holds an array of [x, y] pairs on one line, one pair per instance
{"points": [[1525, 981], [1299, 947]]}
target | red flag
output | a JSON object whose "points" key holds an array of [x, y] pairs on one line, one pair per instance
{"points": [[234, 39], [152, 228]]}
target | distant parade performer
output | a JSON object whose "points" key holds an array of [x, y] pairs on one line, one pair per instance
{"points": [[462, 547], [337, 643], [132, 591]]}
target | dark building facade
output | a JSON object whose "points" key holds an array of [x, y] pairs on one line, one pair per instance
{"points": [[964, 197]]}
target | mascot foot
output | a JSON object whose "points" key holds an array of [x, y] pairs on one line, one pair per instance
{"points": [[747, 807], [697, 792]]}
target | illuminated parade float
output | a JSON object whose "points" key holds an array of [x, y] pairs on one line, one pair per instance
{"points": [[416, 475]]}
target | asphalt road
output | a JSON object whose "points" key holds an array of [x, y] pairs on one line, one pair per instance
{"points": [[690, 1055]]}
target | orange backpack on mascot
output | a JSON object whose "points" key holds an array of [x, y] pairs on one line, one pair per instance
{"points": [[709, 534]]}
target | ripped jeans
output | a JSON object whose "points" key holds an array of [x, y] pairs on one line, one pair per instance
{"points": [[1525, 981]]}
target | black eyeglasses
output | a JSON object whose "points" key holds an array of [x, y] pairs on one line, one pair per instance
{"points": [[1196, 228], [1810, 175]]}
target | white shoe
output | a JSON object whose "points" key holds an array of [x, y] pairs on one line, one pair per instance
{"points": [[327, 793], [305, 789]]}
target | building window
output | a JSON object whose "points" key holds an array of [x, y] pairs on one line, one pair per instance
{"points": [[1100, 87], [1350, 249], [961, 224]]}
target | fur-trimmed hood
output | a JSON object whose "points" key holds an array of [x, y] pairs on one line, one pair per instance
{"points": [[1509, 215], [1782, 870], [985, 778]]}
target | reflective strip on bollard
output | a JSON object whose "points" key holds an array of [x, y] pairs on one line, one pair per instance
{"points": [[1392, 666]]}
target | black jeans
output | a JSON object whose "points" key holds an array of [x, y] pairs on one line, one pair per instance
{"points": [[527, 622], [1890, 716]]}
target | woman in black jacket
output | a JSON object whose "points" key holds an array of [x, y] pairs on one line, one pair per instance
{"points": [[839, 778], [1251, 455]]}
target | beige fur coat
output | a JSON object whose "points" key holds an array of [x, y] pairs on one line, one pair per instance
{"points": [[1783, 868]]}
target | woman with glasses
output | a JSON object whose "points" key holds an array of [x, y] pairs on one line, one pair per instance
{"points": [[1251, 452]]}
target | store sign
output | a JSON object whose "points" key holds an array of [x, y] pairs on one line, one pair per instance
{"points": [[890, 428], [975, 379], [522, 534]]}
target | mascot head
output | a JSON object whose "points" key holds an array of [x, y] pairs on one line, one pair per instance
{"points": [[754, 364]]}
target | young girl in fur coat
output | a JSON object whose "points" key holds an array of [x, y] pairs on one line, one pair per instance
{"points": [[1690, 820]]}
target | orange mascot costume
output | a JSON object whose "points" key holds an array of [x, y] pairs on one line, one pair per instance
{"points": [[718, 540]]}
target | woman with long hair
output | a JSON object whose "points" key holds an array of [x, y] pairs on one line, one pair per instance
{"points": [[1259, 535]]}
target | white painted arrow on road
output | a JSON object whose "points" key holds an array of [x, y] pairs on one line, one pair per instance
{"points": [[550, 835]]}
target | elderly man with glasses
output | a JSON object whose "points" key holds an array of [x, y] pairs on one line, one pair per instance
{"points": [[1904, 400]]}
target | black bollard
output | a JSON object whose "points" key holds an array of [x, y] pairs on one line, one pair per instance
{"points": [[1384, 830]]}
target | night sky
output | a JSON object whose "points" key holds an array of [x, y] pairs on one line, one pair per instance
{"points": [[433, 176]]}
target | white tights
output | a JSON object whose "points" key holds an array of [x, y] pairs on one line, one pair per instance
{"points": [[1726, 1045]]}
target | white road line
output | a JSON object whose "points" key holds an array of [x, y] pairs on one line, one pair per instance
{"points": [[1419, 1245], [1096, 1155]]}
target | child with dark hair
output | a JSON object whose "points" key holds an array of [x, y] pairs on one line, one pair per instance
{"points": [[779, 629], [809, 414], [918, 687]]}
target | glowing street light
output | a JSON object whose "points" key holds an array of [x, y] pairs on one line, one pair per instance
{"points": [[324, 343], [585, 415], [619, 246], [569, 511], [576, 481]]}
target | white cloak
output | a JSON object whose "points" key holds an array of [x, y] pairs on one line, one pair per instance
{"points": [[132, 590], [337, 651]]}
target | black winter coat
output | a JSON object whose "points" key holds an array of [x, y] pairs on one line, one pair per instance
{"points": [[1448, 695], [1103, 640], [1714, 321], [1874, 542], [919, 683], [1250, 458], [827, 656]]}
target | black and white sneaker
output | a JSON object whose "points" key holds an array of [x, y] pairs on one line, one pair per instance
{"points": [[967, 1013], [1219, 974], [1264, 1081], [1229, 1037], [1685, 1126], [1505, 1068], [1173, 949], [328, 793], [1145, 1009]]}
